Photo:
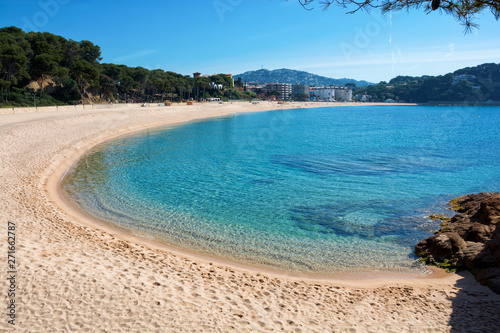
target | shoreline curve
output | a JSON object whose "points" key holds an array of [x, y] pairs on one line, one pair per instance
{"points": [[56, 192], [54, 184], [68, 261]]}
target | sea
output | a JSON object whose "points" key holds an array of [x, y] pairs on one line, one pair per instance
{"points": [[312, 191]]}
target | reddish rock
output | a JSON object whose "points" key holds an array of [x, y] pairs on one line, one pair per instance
{"points": [[489, 211], [478, 232], [460, 223], [440, 246], [470, 252], [469, 203]]}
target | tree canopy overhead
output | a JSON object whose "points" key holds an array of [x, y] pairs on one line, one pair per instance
{"points": [[465, 11]]}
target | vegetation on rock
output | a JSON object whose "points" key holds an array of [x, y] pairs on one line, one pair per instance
{"points": [[471, 239]]}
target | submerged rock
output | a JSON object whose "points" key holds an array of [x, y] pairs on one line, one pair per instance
{"points": [[471, 239]]}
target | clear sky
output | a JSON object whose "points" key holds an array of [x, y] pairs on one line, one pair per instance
{"points": [[234, 36]]}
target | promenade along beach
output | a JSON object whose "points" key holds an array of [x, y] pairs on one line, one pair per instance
{"points": [[76, 274]]}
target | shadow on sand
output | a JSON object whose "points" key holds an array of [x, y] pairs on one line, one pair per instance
{"points": [[476, 308]]}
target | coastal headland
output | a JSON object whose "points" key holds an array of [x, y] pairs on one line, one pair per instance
{"points": [[63, 272]]}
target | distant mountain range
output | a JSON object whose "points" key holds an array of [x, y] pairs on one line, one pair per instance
{"points": [[293, 76]]}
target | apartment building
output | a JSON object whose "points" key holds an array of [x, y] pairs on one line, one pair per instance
{"points": [[322, 94], [299, 89], [285, 90], [343, 94], [330, 94]]}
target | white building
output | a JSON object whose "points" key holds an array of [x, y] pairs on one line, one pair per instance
{"points": [[343, 94], [216, 86], [365, 98], [466, 77], [285, 89], [323, 94], [331, 94]]}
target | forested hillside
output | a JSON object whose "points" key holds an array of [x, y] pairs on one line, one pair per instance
{"points": [[293, 76], [46, 69], [479, 84]]}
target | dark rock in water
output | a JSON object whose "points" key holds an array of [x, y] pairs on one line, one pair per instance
{"points": [[460, 224], [471, 239], [441, 246], [489, 211], [470, 203]]}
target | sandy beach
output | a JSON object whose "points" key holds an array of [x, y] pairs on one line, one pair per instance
{"points": [[76, 275]]}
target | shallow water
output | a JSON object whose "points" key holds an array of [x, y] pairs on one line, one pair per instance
{"points": [[321, 190]]}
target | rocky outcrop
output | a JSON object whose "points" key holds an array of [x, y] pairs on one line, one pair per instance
{"points": [[471, 239]]}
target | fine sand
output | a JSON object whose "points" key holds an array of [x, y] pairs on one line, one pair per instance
{"points": [[74, 275]]}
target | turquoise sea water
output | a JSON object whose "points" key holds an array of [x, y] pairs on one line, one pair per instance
{"points": [[321, 190]]}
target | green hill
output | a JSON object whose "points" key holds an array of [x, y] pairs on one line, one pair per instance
{"points": [[293, 76], [479, 84]]}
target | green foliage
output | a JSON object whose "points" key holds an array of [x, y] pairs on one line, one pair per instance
{"points": [[464, 11], [239, 83], [14, 53], [43, 64], [301, 97], [456, 205], [236, 94], [39, 56], [273, 93], [84, 73], [89, 52], [285, 75], [440, 217], [75, 69], [483, 84], [223, 79], [68, 92], [447, 264]]}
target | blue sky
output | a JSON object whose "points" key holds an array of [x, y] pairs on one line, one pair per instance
{"points": [[234, 36]]}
